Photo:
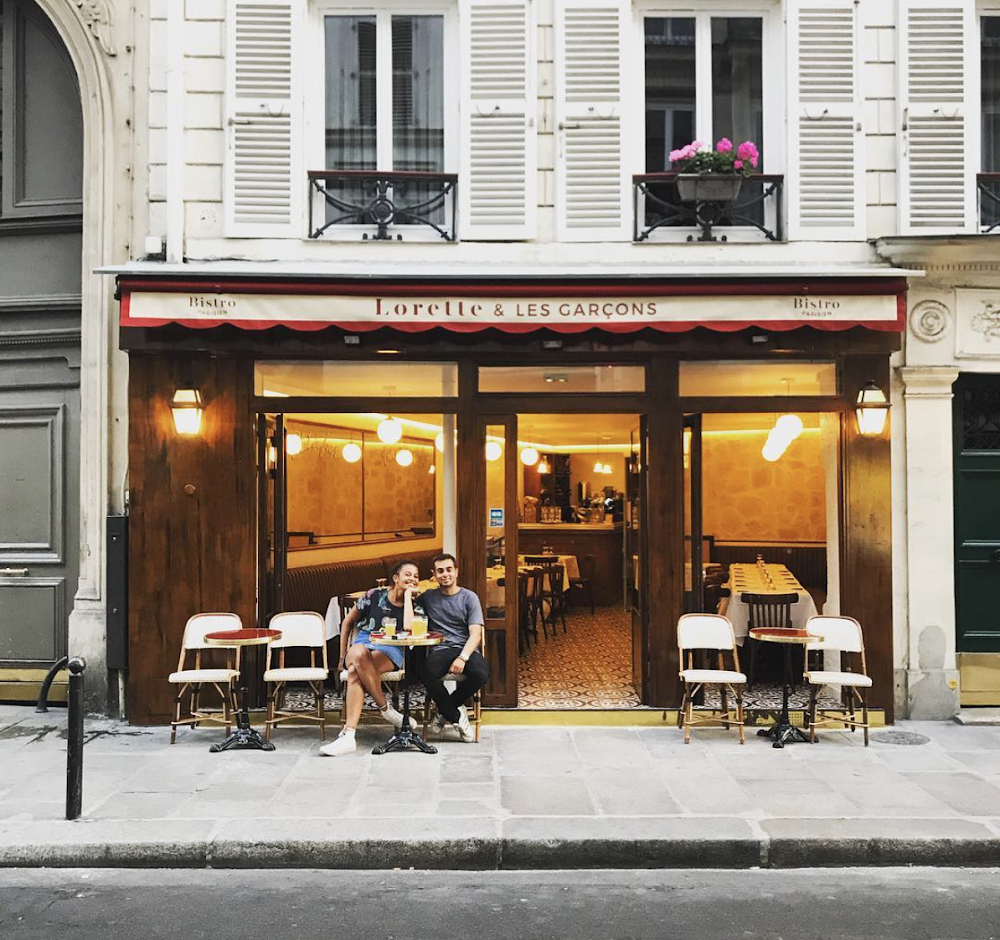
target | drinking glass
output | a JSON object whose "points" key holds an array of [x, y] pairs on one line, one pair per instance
{"points": [[418, 626], [389, 626]]}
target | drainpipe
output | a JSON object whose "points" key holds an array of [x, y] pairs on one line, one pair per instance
{"points": [[175, 133]]}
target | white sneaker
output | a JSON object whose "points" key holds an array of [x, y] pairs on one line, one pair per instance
{"points": [[392, 716], [345, 744], [465, 732]]}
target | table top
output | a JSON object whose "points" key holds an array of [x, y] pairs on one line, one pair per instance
{"points": [[407, 639], [784, 635], [242, 637]]}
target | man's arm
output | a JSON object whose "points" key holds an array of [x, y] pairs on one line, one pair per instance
{"points": [[471, 645]]}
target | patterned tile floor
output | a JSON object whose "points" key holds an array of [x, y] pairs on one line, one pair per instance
{"points": [[589, 666]]}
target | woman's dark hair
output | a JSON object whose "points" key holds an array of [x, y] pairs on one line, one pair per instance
{"points": [[401, 565]]}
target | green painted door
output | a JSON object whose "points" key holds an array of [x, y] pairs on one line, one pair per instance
{"points": [[977, 513]]}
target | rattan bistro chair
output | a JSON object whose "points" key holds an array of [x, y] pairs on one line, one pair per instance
{"points": [[304, 630], [190, 680], [709, 632], [843, 635]]}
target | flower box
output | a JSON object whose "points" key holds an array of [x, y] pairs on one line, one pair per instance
{"points": [[708, 187]]}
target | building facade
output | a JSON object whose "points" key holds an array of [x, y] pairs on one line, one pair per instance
{"points": [[483, 185], [65, 149]]}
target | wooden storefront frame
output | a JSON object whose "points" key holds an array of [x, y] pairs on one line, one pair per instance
{"points": [[159, 460]]}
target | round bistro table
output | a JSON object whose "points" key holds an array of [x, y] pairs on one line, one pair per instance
{"points": [[244, 737], [406, 736], [783, 730]]}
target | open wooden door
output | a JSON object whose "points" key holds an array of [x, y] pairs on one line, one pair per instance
{"points": [[634, 561], [694, 570], [497, 541]]}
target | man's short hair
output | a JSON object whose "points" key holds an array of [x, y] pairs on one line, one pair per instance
{"points": [[401, 565], [444, 556]]}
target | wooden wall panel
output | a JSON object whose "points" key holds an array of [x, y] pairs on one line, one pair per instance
{"points": [[866, 536], [188, 552], [664, 534]]}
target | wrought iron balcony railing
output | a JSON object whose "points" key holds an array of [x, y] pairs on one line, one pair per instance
{"points": [[988, 191], [757, 213], [387, 201]]}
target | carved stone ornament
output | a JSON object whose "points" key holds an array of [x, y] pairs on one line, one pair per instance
{"points": [[97, 16], [929, 320], [987, 321]]}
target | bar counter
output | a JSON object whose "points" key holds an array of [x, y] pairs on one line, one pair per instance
{"points": [[598, 549]]}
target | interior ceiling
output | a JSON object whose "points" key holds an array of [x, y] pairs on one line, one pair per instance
{"points": [[599, 432]]}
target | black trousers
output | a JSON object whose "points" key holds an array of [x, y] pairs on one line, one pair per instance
{"points": [[435, 671]]}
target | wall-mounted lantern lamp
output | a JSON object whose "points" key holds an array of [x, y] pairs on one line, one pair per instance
{"points": [[187, 409], [872, 410]]}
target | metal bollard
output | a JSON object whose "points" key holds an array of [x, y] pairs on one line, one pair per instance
{"points": [[42, 705], [74, 742]]}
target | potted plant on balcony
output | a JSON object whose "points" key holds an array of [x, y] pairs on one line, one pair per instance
{"points": [[707, 175]]}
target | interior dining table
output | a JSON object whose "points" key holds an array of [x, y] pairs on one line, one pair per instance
{"points": [[494, 590], [763, 579]]}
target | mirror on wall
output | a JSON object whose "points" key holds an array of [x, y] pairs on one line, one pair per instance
{"points": [[346, 486]]}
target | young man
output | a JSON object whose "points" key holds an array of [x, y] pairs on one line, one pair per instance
{"points": [[456, 612]]}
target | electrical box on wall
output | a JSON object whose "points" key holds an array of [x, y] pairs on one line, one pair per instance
{"points": [[117, 587]]}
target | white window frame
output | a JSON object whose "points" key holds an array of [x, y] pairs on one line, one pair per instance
{"points": [[315, 99], [774, 70], [975, 143]]}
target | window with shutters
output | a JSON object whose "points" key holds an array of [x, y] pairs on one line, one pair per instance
{"points": [[705, 79], [989, 180], [387, 139]]}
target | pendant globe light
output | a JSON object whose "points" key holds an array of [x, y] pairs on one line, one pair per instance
{"points": [[529, 456], [494, 450], [389, 431], [404, 457], [351, 452]]}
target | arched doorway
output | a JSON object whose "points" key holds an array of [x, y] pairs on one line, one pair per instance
{"points": [[41, 225]]}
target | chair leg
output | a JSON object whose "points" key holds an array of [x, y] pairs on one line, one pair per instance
{"points": [[226, 713], [753, 662], [321, 709], [269, 720], [195, 702], [864, 713], [739, 713], [813, 696], [177, 714], [725, 707]]}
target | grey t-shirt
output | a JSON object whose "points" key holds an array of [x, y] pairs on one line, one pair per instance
{"points": [[451, 614]]}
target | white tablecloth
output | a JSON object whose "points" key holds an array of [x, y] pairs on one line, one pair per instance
{"points": [[743, 578], [495, 593]]}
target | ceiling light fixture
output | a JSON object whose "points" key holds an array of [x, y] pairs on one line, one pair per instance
{"points": [[351, 452], [493, 450], [293, 444], [529, 456], [389, 431], [404, 457]]}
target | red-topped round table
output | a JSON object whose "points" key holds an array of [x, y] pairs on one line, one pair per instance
{"points": [[783, 730], [244, 737]]}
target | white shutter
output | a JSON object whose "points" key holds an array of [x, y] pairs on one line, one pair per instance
{"points": [[264, 177], [497, 184], [940, 142], [593, 200], [825, 153]]}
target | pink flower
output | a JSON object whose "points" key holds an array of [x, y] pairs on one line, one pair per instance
{"points": [[753, 162], [695, 146], [676, 155], [737, 164], [724, 145], [748, 151]]}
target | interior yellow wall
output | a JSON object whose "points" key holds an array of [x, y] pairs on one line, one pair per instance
{"points": [[746, 498], [581, 467]]}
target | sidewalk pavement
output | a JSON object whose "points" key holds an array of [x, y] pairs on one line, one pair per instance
{"points": [[538, 797]]}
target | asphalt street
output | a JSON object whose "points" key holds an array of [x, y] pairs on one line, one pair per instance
{"points": [[805, 904]]}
